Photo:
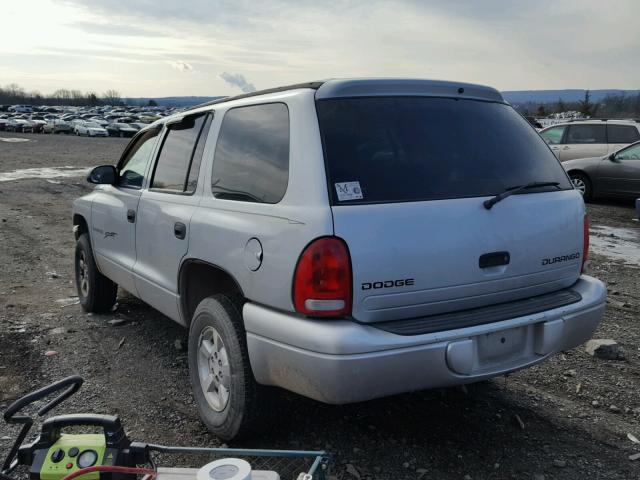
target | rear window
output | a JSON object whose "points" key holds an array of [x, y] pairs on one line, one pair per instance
{"points": [[402, 149]]}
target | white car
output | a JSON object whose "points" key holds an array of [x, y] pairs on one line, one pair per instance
{"points": [[590, 138], [90, 129]]}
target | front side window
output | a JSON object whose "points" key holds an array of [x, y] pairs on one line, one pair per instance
{"points": [[176, 154], [134, 165], [251, 161], [630, 153], [586, 134], [622, 134], [553, 136]]}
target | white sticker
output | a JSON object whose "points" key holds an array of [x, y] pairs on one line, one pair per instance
{"points": [[348, 191]]}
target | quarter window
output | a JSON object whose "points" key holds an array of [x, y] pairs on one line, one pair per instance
{"points": [[251, 161], [622, 134], [586, 133], [553, 136], [176, 170], [134, 164]]}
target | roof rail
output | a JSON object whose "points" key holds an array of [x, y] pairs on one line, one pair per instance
{"points": [[312, 85], [637, 120]]}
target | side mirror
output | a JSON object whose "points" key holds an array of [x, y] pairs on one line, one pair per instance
{"points": [[613, 158], [103, 175]]}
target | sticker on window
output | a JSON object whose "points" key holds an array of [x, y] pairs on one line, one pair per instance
{"points": [[348, 191]]}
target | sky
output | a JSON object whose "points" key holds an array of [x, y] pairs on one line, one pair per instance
{"points": [[156, 48]]}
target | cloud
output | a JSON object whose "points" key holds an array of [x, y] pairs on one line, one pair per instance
{"points": [[122, 30], [182, 66], [238, 80]]}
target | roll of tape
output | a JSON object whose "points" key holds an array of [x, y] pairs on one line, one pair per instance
{"points": [[225, 469]]}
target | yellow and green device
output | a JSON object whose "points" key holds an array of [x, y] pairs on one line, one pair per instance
{"points": [[54, 454]]}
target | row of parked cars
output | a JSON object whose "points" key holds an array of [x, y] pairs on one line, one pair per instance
{"points": [[91, 122], [601, 156]]}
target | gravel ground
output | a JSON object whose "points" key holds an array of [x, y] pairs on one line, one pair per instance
{"points": [[565, 419]]}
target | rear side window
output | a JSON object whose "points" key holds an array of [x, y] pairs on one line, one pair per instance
{"points": [[395, 149], [176, 171], [251, 162], [586, 133], [553, 136], [622, 134]]}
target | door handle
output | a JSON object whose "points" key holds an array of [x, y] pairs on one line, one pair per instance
{"points": [[566, 148], [131, 216], [180, 230]]}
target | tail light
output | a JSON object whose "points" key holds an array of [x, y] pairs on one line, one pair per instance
{"points": [[322, 281], [585, 243]]}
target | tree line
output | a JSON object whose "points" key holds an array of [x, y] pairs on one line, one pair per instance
{"points": [[611, 106], [14, 94]]}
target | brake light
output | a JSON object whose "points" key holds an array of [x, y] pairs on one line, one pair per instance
{"points": [[585, 243], [322, 280]]}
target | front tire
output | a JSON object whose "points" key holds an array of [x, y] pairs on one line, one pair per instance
{"points": [[230, 402], [96, 292], [582, 183]]}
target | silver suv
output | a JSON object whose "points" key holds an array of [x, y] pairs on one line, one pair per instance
{"points": [[344, 240]]}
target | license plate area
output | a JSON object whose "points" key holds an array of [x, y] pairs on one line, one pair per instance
{"points": [[498, 347]]}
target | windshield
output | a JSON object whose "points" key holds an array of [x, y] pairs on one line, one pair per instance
{"points": [[398, 149]]}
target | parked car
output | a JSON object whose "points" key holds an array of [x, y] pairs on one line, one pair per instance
{"points": [[38, 125], [590, 138], [18, 125], [344, 240], [120, 130], [90, 129], [614, 175], [21, 108], [57, 126]]}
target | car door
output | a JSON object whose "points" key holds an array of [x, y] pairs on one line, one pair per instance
{"points": [[584, 140], [165, 211], [553, 136], [114, 212], [619, 136], [621, 175]]}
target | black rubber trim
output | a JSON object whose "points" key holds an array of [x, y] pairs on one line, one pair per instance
{"points": [[481, 315]]}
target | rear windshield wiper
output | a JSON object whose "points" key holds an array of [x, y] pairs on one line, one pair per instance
{"points": [[488, 204]]}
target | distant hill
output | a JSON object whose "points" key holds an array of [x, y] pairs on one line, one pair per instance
{"points": [[515, 97], [570, 95]]}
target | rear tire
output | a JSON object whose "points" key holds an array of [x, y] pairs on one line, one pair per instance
{"points": [[96, 292], [230, 402], [582, 183]]}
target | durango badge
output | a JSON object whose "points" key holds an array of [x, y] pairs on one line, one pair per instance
{"points": [[563, 258]]}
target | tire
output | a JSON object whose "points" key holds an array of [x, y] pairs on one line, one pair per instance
{"points": [[96, 292], [243, 406], [582, 183]]}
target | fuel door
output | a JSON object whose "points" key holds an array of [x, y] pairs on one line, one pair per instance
{"points": [[253, 254]]}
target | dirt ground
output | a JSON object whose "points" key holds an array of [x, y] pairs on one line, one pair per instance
{"points": [[576, 410]]}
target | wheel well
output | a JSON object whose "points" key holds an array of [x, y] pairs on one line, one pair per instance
{"points": [[81, 224], [581, 172], [199, 280]]}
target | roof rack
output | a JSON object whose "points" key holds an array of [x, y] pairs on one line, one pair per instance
{"points": [[312, 85], [637, 120]]}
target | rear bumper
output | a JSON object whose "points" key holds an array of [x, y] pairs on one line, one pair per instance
{"points": [[340, 361]]}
